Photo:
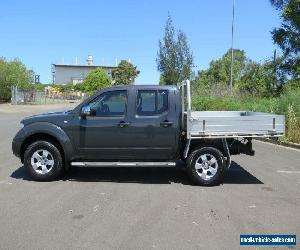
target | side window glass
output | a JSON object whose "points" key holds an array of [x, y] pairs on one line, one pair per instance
{"points": [[162, 101], [151, 102], [111, 103], [146, 102]]}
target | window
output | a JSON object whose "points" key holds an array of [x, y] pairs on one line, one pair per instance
{"points": [[111, 103], [151, 102]]}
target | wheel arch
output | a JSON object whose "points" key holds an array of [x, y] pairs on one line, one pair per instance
{"points": [[201, 143], [48, 132]]}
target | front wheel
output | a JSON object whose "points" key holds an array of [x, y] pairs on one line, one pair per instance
{"points": [[43, 161], [206, 166]]}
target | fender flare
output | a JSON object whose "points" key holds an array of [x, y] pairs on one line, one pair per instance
{"points": [[50, 129]]}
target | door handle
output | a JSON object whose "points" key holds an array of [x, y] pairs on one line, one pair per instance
{"points": [[166, 124], [123, 124]]}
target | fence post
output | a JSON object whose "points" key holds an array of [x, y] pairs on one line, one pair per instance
{"points": [[12, 95], [14, 100]]}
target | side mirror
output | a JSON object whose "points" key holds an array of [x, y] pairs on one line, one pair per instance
{"points": [[85, 111]]}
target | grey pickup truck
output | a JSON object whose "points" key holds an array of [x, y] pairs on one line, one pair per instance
{"points": [[141, 126]]}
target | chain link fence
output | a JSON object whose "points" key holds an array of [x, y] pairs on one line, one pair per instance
{"points": [[48, 96]]}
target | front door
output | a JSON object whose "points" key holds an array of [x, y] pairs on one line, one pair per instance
{"points": [[104, 134]]}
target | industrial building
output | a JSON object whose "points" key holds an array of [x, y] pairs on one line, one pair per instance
{"points": [[76, 73]]}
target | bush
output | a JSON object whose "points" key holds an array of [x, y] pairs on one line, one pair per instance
{"points": [[96, 80], [13, 73], [292, 125]]}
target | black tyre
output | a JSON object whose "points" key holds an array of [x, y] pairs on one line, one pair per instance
{"points": [[206, 166], [43, 161]]}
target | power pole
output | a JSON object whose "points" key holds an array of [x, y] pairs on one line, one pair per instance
{"points": [[231, 66], [275, 84]]}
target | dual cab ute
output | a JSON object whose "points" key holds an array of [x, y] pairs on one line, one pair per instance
{"points": [[141, 126]]}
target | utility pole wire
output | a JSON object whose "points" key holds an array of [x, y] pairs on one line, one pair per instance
{"points": [[231, 66]]}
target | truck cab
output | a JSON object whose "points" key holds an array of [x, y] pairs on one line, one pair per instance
{"points": [[128, 123]]}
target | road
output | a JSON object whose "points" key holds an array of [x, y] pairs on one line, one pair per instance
{"points": [[155, 208]]}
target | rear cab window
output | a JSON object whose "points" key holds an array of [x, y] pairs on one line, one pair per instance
{"points": [[151, 102]]}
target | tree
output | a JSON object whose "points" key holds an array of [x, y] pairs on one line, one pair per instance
{"points": [[95, 80], [249, 77], [125, 73], [174, 58], [217, 76], [287, 37], [255, 80], [15, 73]]}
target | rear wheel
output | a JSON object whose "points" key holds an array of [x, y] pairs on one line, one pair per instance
{"points": [[206, 166], [43, 161]]}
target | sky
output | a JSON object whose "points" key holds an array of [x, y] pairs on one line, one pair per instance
{"points": [[40, 33]]}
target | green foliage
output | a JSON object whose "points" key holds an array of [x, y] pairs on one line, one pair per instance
{"points": [[125, 73], [95, 80], [13, 73], [66, 87], [290, 96], [41, 86], [218, 73], [258, 79], [292, 85], [288, 103], [69, 87], [287, 37], [78, 87], [174, 58], [293, 125], [249, 77]]}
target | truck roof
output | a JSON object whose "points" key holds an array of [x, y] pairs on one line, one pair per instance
{"points": [[127, 87], [143, 87]]}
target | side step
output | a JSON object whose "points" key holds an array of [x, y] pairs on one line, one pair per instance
{"points": [[123, 164]]}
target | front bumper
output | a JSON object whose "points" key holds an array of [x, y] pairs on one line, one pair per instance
{"points": [[16, 148]]}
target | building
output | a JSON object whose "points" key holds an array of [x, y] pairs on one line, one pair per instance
{"points": [[75, 73]]}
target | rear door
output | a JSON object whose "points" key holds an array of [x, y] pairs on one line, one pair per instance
{"points": [[154, 124]]}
